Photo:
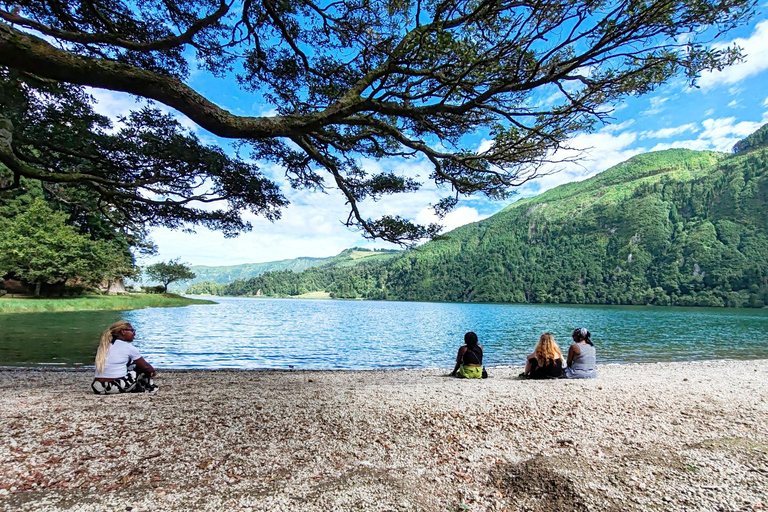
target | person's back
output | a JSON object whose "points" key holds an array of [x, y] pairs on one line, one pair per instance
{"points": [[120, 368], [119, 356], [546, 360], [552, 370], [473, 355], [582, 357], [469, 360], [586, 359]]}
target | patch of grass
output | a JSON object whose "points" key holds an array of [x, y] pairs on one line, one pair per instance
{"points": [[314, 295], [96, 302]]}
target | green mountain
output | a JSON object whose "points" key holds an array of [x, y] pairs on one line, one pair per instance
{"points": [[227, 274], [209, 278], [675, 227]]}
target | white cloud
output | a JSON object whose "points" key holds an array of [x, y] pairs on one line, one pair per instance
{"points": [[733, 103], [487, 144], [717, 135], [595, 152], [312, 225], [657, 106], [765, 103], [711, 111], [666, 133], [458, 217], [115, 104], [263, 112], [612, 128], [547, 101], [755, 48], [620, 106]]}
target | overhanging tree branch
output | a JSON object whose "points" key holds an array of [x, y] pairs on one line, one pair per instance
{"points": [[351, 81]]}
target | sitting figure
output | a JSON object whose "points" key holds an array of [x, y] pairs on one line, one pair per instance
{"points": [[469, 361], [546, 362], [119, 365], [581, 356]]}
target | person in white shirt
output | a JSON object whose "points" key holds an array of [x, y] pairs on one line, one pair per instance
{"points": [[119, 365]]}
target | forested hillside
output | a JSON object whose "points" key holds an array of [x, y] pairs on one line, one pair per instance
{"points": [[675, 227]]}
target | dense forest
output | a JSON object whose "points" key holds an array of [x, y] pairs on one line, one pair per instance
{"points": [[675, 227], [50, 244]]}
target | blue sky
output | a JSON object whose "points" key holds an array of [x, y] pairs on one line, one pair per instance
{"points": [[726, 107]]}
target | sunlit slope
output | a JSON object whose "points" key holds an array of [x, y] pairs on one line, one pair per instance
{"points": [[352, 257], [671, 227]]}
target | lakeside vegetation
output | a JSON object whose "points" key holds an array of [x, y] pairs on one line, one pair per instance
{"points": [[96, 302], [674, 227]]}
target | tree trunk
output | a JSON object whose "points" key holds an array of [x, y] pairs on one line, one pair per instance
{"points": [[37, 288]]}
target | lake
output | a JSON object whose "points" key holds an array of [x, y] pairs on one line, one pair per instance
{"points": [[251, 333]]}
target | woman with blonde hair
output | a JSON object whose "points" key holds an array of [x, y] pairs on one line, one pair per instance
{"points": [[546, 362], [119, 365]]}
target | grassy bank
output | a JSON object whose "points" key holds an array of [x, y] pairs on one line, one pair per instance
{"points": [[313, 295], [96, 303]]}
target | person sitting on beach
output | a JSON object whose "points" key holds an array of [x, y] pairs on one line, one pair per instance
{"points": [[119, 365], [469, 361], [581, 356], [546, 362]]}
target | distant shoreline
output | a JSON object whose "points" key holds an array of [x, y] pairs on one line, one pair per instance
{"points": [[326, 295], [504, 369]]}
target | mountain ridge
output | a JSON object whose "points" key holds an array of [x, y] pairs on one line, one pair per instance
{"points": [[226, 274], [673, 227]]}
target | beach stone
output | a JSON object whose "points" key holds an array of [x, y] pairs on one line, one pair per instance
{"points": [[389, 440]]}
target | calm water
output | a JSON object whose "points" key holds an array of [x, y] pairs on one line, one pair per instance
{"points": [[322, 334]]}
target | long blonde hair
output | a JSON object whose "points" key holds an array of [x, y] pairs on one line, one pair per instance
{"points": [[546, 350], [105, 343]]}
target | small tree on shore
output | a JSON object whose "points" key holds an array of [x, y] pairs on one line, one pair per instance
{"points": [[167, 273]]}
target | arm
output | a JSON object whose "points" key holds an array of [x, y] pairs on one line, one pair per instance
{"points": [[144, 366], [528, 364], [573, 351], [459, 357]]}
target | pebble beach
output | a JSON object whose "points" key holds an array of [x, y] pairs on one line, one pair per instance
{"points": [[662, 436]]}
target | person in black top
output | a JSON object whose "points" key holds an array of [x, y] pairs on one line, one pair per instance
{"points": [[469, 361], [546, 362]]}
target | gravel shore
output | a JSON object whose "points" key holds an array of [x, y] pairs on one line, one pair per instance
{"points": [[666, 436]]}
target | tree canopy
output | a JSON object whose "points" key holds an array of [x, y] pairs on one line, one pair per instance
{"points": [[348, 81], [167, 273], [38, 247]]}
